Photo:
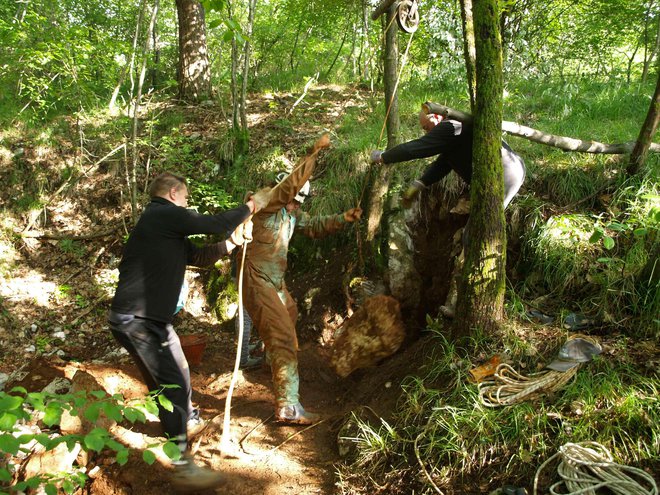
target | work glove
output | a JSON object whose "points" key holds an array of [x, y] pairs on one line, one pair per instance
{"points": [[261, 198], [353, 215], [322, 142], [376, 156], [409, 195], [242, 234]]}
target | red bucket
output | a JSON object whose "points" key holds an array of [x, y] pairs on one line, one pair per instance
{"points": [[193, 347]]}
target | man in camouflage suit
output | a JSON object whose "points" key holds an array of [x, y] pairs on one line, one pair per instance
{"points": [[267, 299]]}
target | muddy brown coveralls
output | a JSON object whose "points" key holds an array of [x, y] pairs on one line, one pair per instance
{"points": [[269, 303]]}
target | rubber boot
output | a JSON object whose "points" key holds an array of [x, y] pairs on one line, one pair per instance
{"points": [[288, 409], [296, 415], [448, 309]]}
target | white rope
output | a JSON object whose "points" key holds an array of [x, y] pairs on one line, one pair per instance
{"points": [[510, 387], [586, 467], [225, 439]]}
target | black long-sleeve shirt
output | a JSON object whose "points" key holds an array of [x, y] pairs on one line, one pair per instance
{"points": [[452, 141], [155, 257]]}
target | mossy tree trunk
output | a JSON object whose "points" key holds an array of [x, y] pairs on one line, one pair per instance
{"points": [[481, 293]]}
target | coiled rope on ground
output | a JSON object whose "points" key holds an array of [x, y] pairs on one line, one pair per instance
{"points": [[510, 387], [588, 466]]}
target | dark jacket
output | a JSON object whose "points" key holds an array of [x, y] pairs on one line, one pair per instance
{"points": [[154, 262], [452, 141]]}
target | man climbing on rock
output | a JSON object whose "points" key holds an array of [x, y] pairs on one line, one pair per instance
{"points": [[451, 140], [267, 300], [151, 275]]}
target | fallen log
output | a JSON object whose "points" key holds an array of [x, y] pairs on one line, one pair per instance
{"points": [[562, 142]]}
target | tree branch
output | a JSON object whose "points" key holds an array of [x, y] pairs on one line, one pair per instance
{"points": [[562, 142], [381, 8]]}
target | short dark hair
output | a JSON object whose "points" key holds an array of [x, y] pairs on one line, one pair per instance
{"points": [[162, 184]]}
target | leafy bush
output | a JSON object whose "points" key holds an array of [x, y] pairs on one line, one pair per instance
{"points": [[20, 406]]}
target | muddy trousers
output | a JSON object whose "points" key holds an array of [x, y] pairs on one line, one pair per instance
{"points": [[274, 313], [156, 350]]}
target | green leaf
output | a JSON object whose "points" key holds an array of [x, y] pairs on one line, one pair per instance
{"points": [[640, 232], [10, 402], [112, 411], [9, 444], [166, 403], [98, 394], [172, 451], [7, 421], [114, 445], [92, 412], [94, 442], [596, 236], [608, 242], [19, 390], [53, 414], [50, 489], [215, 23], [43, 439], [616, 226], [5, 475], [122, 457], [68, 486], [151, 407], [149, 457]]}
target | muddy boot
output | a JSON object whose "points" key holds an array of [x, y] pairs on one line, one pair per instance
{"points": [[296, 415], [189, 477], [448, 309]]}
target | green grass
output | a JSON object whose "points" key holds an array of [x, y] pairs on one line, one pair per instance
{"points": [[443, 423]]}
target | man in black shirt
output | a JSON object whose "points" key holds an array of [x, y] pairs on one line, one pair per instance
{"points": [[151, 274], [451, 140]]}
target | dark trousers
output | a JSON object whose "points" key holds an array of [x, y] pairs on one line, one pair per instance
{"points": [[156, 350]]}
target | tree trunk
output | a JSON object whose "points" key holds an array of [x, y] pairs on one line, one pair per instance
{"points": [[481, 292], [247, 50], [235, 120], [194, 70], [641, 150], [364, 47], [334, 61], [136, 108], [380, 186], [129, 66], [468, 47]]}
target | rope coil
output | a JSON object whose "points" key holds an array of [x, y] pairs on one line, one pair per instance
{"points": [[586, 467], [510, 387]]}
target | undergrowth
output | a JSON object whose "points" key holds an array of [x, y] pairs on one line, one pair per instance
{"points": [[443, 435]]}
